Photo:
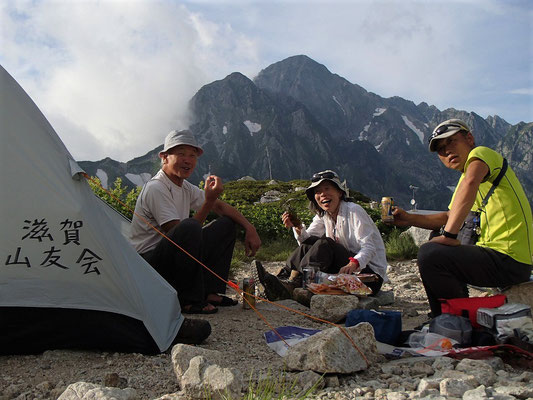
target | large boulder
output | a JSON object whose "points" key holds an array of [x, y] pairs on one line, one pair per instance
{"points": [[330, 351]]}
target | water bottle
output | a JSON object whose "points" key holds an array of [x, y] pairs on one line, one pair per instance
{"points": [[430, 341]]}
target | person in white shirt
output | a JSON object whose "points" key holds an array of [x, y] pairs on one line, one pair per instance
{"points": [[342, 238], [165, 203]]}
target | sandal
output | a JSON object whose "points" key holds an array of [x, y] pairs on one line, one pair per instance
{"points": [[225, 302], [198, 308]]}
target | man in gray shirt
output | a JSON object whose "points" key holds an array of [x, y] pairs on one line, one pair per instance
{"points": [[165, 203]]}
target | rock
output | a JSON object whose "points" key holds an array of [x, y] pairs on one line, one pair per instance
{"points": [[330, 351], [182, 354], [114, 380], [481, 370], [246, 178], [308, 379], [443, 364], [302, 296], [332, 307], [455, 387], [521, 392], [332, 381], [270, 196], [421, 369], [428, 384], [91, 391], [419, 235], [385, 297], [203, 378], [475, 394], [368, 303], [522, 293]]}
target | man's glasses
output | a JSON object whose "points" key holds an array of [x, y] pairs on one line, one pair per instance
{"points": [[323, 175], [445, 128]]}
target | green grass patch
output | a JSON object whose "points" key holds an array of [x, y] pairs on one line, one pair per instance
{"points": [[400, 246], [273, 388]]}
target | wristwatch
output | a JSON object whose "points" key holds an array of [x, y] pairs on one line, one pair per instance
{"points": [[448, 234]]}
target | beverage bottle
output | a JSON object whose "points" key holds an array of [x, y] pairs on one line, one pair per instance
{"points": [[323, 277], [430, 341]]}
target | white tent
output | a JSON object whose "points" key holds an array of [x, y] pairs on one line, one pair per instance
{"points": [[62, 250]]}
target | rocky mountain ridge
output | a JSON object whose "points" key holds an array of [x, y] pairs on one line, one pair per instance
{"points": [[296, 118]]}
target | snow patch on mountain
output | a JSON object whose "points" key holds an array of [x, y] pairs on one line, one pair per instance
{"points": [[364, 133], [340, 105], [224, 130], [253, 127], [138, 180], [379, 111], [102, 175], [411, 126]]}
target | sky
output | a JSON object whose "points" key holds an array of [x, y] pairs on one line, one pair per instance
{"points": [[114, 77]]}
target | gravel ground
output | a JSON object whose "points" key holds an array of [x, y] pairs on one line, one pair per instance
{"points": [[237, 332]]}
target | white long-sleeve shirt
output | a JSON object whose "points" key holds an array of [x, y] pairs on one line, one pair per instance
{"points": [[354, 230]]}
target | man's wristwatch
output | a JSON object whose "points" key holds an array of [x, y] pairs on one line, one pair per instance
{"points": [[448, 234]]}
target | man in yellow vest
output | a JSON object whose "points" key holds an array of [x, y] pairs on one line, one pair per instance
{"points": [[502, 255]]}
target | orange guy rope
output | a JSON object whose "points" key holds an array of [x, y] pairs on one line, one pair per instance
{"points": [[234, 286]]}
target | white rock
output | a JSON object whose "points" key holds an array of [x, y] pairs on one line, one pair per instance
{"points": [[475, 394], [453, 387], [182, 354], [91, 391], [521, 392], [202, 378]]}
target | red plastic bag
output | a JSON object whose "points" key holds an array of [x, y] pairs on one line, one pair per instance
{"points": [[468, 306]]}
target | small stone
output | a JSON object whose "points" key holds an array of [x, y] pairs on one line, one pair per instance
{"points": [[332, 381], [452, 387], [475, 394]]}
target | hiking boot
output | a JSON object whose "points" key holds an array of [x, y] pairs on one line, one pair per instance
{"points": [[193, 331], [277, 289]]}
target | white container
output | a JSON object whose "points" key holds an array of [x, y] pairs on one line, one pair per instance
{"points": [[429, 340]]}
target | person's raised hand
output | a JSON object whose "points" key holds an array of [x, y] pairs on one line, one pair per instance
{"points": [[213, 187], [400, 217], [285, 217]]}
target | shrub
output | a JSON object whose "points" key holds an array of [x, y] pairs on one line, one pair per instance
{"points": [[118, 191]]}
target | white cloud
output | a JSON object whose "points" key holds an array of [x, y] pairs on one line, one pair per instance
{"points": [[524, 91], [116, 77]]}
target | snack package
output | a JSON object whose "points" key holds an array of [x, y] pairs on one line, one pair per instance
{"points": [[351, 284]]}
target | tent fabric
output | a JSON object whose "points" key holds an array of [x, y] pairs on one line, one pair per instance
{"points": [[61, 246]]}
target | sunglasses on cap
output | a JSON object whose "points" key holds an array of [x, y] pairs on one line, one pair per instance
{"points": [[445, 128], [323, 175]]}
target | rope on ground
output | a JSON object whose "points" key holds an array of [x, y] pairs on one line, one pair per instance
{"points": [[233, 285]]}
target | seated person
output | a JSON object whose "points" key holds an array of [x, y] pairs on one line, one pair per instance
{"points": [[502, 255], [165, 203], [342, 238]]}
